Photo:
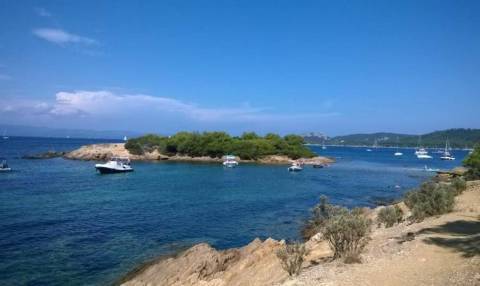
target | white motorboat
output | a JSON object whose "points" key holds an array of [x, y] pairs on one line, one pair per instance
{"points": [[422, 153], [369, 150], [446, 154], [296, 167], [115, 165], [4, 166], [230, 161], [424, 156]]}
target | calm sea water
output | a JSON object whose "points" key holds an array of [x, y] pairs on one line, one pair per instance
{"points": [[61, 223]]}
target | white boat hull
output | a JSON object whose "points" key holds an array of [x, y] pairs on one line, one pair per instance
{"points": [[447, 158], [422, 156]]}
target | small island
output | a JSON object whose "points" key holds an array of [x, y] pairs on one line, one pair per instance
{"points": [[206, 147]]}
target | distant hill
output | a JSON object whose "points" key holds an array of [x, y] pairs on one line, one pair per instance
{"points": [[315, 137], [33, 131], [459, 138]]}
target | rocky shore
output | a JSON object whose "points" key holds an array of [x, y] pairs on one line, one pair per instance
{"points": [[106, 151], [405, 254]]}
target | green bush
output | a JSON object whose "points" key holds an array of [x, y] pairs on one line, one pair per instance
{"points": [[429, 200], [291, 257], [347, 233], [459, 185], [134, 147], [319, 216], [473, 163], [389, 216], [249, 146]]}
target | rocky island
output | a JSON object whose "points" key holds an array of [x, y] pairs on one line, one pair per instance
{"points": [[206, 147]]}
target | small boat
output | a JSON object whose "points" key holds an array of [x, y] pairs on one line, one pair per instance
{"points": [[230, 161], [446, 154], [295, 168], [115, 165], [421, 152], [125, 138], [5, 137], [369, 150], [318, 166], [323, 145], [4, 166]]}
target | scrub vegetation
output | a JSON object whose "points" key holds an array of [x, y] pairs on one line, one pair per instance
{"points": [[347, 231], [473, 163], [291, 257], [389, 216], [249, 146]]}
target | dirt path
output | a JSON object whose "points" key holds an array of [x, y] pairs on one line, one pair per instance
{"points": [[444, 251]]}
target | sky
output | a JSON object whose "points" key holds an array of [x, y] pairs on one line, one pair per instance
{"points": [[336, 67]]}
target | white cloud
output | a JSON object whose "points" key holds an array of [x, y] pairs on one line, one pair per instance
{"points": [[107, 109], [5, 77], [61, 37], [106, 102], [42, 12]]}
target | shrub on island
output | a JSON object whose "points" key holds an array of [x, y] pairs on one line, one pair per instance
{"points": [[249, 146]]}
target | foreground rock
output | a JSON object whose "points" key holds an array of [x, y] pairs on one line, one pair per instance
{"points": [[106, 151], [254, 264]]}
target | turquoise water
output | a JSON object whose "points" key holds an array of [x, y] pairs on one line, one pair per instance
{"points": [[63, 224]]}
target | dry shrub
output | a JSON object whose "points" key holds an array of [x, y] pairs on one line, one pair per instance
{"points": [[348, 233], [429, 200], [291, 257], [389, 216]]}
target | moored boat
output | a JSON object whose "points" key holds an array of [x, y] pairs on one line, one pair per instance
{"points": [[295, 167], [4, 166], [446, 153], [230, 161], [115, 165]]}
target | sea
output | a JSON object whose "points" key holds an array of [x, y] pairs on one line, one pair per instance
{"points": [[62, 223]]}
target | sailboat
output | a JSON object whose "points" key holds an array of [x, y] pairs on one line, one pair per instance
{"points": [[5, 135], [398, 153], [446, 153], [375, 146], [323, 145], [125, 138]]}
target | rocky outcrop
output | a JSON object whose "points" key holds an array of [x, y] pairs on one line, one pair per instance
{"points": [[106, 151], [45, 155], [253, 264]]}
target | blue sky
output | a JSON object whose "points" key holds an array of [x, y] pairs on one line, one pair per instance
{"points": [[284, 66]]}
